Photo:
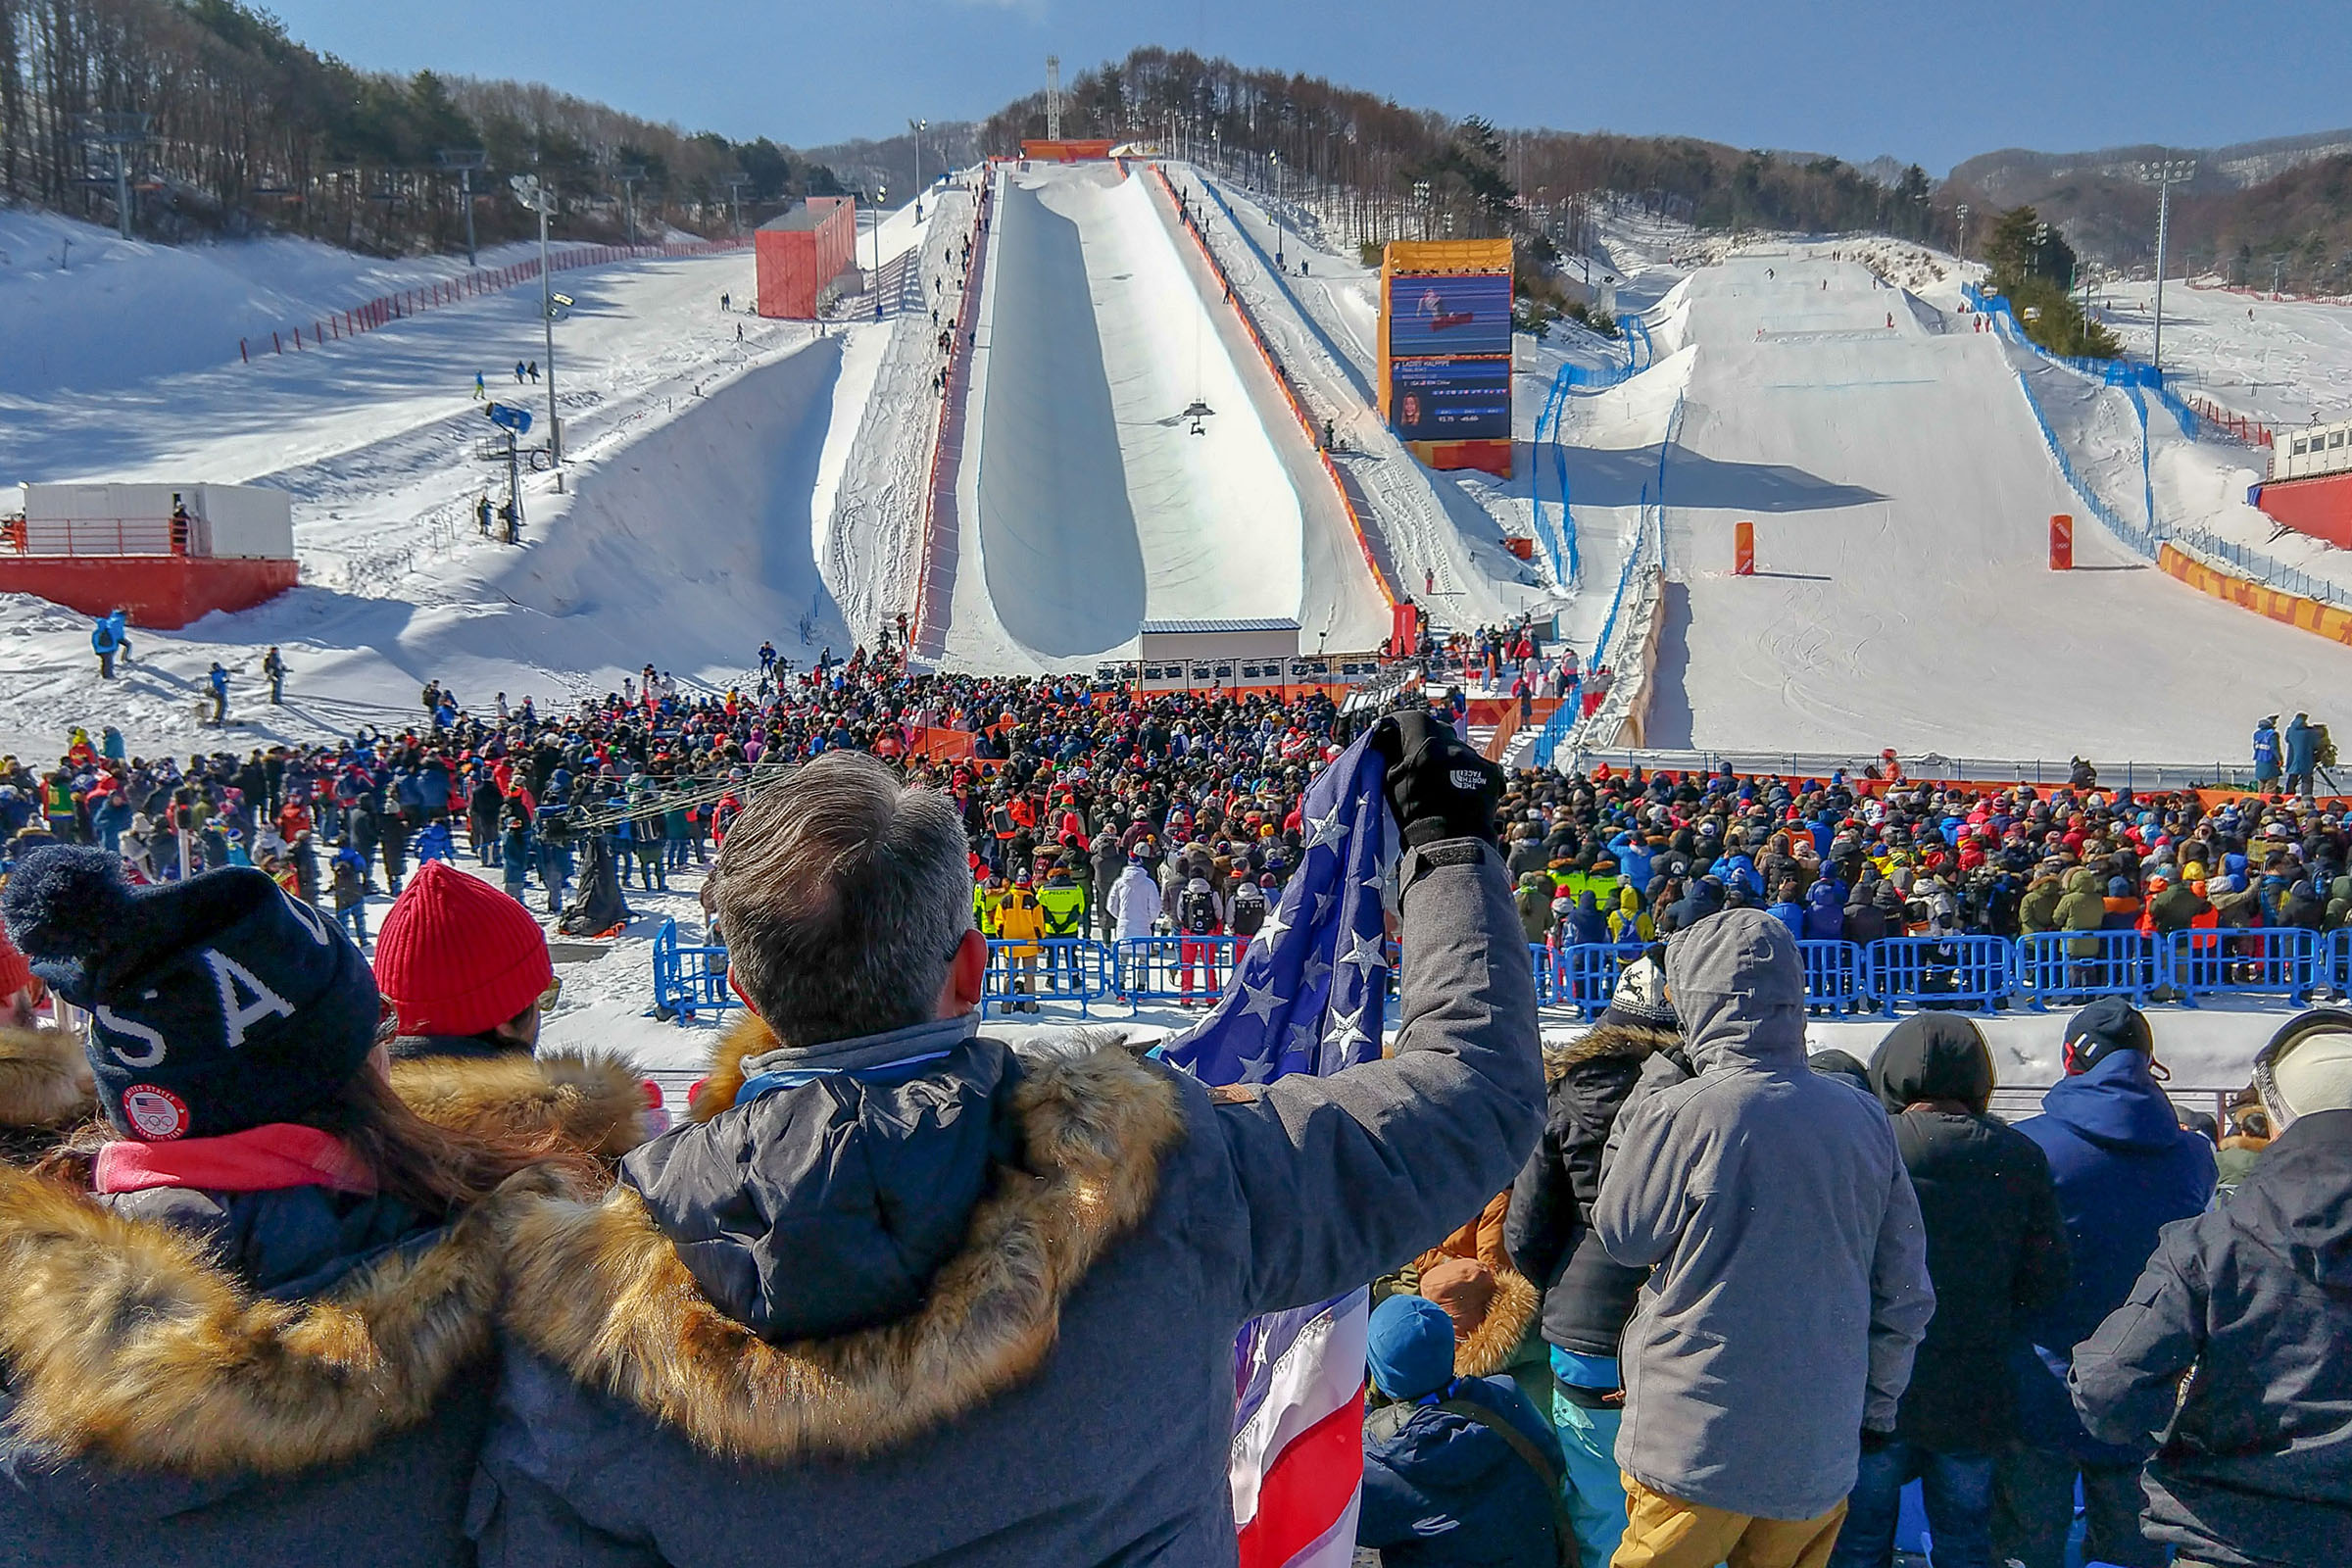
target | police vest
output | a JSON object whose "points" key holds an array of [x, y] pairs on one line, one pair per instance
{"points": [[1065, 910]]}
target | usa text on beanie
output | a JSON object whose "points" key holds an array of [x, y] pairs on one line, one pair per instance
{"points": [[217, 1005]]}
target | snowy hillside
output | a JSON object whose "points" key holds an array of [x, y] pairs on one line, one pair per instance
{"points": [[82, 308], [685, 530]]}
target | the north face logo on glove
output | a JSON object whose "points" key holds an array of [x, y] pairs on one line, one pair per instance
{"points": [[1466, 778]]}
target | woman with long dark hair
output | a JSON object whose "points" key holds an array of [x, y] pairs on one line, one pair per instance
{"points": [[244, 1315]]}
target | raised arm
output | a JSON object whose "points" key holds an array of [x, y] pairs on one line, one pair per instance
{"points": [[1347, 1176]]}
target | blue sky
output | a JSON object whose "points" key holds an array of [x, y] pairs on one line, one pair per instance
{"points": [[1934, 85]]}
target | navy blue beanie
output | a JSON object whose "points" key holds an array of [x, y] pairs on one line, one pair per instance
{"points": [[217, 1005], [2108, 1026], [1411, 1348]]}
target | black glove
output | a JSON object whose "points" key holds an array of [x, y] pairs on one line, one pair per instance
{"points": [[1438, 788], [1873, 1440]]}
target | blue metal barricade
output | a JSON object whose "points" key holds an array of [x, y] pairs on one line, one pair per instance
{"points": [[1020, 975], [689, 980], [2069, 967], [1177, 968], [1587, 974], [2272, 959], [1937, 971], [2339, 960], [1538, 955], [1833, 975]]}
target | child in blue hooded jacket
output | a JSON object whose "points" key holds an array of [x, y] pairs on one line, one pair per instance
{"points": [[1442, 1487]]}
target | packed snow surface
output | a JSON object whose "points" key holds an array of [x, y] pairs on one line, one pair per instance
{"points": [[1901, 494], [1090, 501]]}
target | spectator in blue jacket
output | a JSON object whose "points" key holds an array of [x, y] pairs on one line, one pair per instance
{"points": [[2125, 1169], [2233, 1354], [1443, 1485], [1791, 913], [1824, 911]]}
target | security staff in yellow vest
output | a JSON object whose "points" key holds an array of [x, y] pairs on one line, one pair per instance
{"points": [[1064, 904]]}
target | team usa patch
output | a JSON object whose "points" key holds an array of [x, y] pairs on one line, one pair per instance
{"points": [[155, 1115]]}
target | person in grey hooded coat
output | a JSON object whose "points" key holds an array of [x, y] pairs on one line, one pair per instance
{"points": [[1788, 1284]]}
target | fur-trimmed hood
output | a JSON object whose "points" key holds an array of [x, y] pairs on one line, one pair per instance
{"points": [[596, 1102], [1636, 1042], [745, 1036], [1489, 1349], [126, 1340], [45, 1088], [601, 1290]]}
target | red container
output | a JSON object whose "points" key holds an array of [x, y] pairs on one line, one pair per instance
{"points": [[801, 251]]}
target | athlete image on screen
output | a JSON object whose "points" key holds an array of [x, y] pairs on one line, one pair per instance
{"points": [[1411, 416]]}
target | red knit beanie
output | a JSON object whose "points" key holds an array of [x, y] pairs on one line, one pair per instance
{"points": [[15, 971], [458, 956]]}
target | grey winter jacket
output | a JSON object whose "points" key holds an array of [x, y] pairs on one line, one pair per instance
{"points": [[1791, 1282], [1063, 1391]]}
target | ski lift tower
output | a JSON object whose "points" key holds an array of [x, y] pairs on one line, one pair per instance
{"points": [[118, 132], [735, 184], [1053, 97], [629, 174], [462, 162]]}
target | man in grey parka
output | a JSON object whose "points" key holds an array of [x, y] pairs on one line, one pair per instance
{"points": [[1789, 1285]]}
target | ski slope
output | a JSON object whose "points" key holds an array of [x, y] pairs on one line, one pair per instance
{"points": [[1086, 502], [691, 521], [1901, 494]]}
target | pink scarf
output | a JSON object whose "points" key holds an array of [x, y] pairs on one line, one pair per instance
{"points": [[261, 1160]]}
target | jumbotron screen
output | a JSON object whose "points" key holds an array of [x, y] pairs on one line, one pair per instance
{"points": [[1449, 314], [1450, 400]]}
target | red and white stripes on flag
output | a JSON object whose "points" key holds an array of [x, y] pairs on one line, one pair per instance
{"points": [[1298, 1463]]}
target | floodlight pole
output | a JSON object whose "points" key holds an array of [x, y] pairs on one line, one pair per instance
{"points": [[918, 126], [2164, 175], [539, 196], [547, 321]]}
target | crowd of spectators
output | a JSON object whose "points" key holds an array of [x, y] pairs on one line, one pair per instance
{"points": [[1613, 1354]]}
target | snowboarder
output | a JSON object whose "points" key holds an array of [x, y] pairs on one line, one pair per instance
{"points": [[508, 532], [767, 660], [535, 369], [482, 513], [481, 389], [518, 372], [273, 665], [217, 679]]}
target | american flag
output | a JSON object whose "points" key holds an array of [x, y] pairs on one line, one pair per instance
{"points": [[1309, 996]]}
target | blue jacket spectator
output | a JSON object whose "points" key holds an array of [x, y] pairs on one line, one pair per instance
{"points": [[1825, 913], [2125, 1169], [1442, 1487]]}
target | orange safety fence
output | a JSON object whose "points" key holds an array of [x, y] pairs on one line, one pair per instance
{"points": [[2293, 610]]}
